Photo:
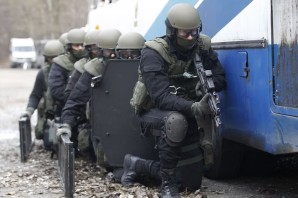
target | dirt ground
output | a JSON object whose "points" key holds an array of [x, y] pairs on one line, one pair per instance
{"points": [[39, 177]]}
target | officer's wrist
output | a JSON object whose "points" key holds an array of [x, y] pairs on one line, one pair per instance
{"points": [[65, 125], [30, 111], [193, 109]]}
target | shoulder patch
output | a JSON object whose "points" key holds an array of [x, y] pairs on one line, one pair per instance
{"points": [[79, 65], [64, 62], [160, 46], [205, 42]]}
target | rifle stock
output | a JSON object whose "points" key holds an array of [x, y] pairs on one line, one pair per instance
{"points": [[205, 78]]}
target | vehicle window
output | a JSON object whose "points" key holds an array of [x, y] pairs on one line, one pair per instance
{"points": [[24, 49]]}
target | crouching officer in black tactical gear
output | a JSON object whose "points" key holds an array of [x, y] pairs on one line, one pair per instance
{"points": [[90, 43], [38, 99], [62, 67], [75, 108], [165, 97]]}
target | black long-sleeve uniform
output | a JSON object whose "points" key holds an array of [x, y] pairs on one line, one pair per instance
{"points": [[58, 78], [154, 71], [75, 106], [38, 90], [74, 111], [157, 80], [75, 76]]}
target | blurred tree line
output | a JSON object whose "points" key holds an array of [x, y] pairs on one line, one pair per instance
{"points": [[39, 19]]}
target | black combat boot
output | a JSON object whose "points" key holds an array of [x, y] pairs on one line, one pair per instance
{"points": [[135, 167], [169, 187]]}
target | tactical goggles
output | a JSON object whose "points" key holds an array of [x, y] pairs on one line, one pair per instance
{"points": [[129, 54], [187, 33], [109, 53], [92, 48]]}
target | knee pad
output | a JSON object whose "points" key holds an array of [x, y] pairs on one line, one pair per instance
{"points": [[175, 128]]}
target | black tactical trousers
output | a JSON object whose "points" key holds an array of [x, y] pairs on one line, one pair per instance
{"points": [[153, 123]]}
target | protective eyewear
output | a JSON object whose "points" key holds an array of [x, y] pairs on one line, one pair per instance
{"points": [[129, 54], [92, 48], [187, 33], [109, 53]]}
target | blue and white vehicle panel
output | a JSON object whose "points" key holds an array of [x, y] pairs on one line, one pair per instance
{"points": [[256, 41], [259, 110]]}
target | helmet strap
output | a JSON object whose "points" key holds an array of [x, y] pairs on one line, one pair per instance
{"points": [[170, 31]]}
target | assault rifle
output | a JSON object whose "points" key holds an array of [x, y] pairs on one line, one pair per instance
{"points": [[96, 80], [205, 77]]}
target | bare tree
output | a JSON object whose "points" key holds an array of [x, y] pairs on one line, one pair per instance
{"points": [[38, 19]]}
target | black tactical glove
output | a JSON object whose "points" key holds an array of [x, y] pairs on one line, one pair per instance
{"points": [[28, 113], [63, 129], [202, 107]]}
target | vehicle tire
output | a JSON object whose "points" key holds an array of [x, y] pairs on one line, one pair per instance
{"points": [[257, 162], [228, 157], [26, 65], [12, 65]]}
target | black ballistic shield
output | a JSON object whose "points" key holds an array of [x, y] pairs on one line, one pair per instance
{"points": [[114, 122], [66, 164], [25, 138]]}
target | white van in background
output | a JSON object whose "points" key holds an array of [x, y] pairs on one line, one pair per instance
{"points": [[22, 53]]}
